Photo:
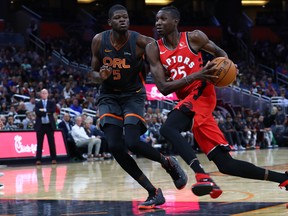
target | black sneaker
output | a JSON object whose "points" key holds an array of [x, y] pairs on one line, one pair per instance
{"points": [[176, 172], [153, 201]]}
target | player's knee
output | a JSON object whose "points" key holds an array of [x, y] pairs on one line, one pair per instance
{"points": [[166, 130], [115, 147], [133, 145]]}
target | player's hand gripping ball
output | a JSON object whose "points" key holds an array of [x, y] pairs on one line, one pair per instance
{"points": [[226, 72]]}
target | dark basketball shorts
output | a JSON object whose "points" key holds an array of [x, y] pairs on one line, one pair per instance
{"points": [[122, 109]]}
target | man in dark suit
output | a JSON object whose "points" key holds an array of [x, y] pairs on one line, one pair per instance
{"points": [[66, 126], [45, 124]]}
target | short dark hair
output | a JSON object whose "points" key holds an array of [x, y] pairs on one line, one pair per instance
{"points": [[173, 10], [114, 8]]}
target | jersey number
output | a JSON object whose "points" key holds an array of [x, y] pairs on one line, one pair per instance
{"points": [[116, 75], [180, 71]]}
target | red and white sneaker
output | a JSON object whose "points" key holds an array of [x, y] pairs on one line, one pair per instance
{"points": [[205, 185]]}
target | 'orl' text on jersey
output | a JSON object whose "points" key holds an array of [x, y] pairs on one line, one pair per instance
{"points": [[126, 67]]}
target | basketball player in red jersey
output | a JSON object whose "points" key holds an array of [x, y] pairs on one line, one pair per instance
{"points": [[177, 55], [117, 63]]}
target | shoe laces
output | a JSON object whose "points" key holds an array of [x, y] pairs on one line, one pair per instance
{"points": [[172, 171], [152, 197]]}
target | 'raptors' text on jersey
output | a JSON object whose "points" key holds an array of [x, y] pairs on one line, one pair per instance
{"points": [[126, 66]]}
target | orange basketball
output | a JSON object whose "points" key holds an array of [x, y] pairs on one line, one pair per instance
{"points": [[226, 72]]}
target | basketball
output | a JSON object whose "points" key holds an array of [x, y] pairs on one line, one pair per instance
{"points": [[226, 72]]}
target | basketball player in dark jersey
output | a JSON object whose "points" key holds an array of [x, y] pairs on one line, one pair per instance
{"points": [[117, 64], [177, 55]]}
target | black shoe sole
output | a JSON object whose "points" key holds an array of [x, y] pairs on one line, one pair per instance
{"points": [[201, 190]]}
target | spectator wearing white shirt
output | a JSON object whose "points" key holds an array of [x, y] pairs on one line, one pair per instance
{"points": [[82, 139], [30, 105]]}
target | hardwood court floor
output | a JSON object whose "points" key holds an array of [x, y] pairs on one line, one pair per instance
{"points": [[103, 188]]}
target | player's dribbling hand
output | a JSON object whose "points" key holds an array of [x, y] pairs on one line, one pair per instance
{"points": [[206, 73], [105, 72]]}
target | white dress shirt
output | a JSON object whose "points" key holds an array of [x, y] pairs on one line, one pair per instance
{"points": [[78, 133]]}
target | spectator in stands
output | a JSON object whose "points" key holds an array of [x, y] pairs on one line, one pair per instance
{"points": [[149, 112], [26, 66], [148, 138], [264, 134], [222, 126], [239, 126], [25, 90], [2, 126], [13, 81], [283, 93], [232, 134], [21, 110], [3, 119], [4, 108], [90, 102], [280, 117], [31, 104], [29, 119], [30, 126], [12, 110], [282, 135], [251, 132], [87, 127], [254, 88], [76, 106], [10, 125], [82, 139], [270, 91], [155, 126], [66, 125], [67, 91]]}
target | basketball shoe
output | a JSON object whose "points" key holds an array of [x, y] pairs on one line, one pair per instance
{"points": [[205, 185], [152, 201], [285, 183], [176, 172]]}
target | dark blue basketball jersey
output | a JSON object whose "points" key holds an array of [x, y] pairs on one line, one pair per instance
{"points": [[127, 68]]}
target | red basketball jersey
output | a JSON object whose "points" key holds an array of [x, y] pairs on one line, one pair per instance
{"points": [[183, 61]]}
